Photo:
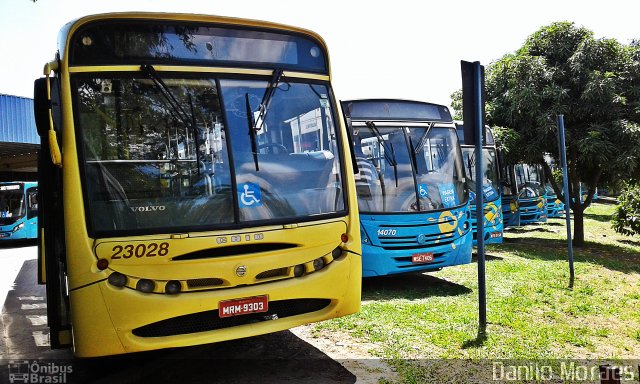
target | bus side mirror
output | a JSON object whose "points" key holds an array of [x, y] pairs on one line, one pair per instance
{"points": [[41, 106], [349, 126]]}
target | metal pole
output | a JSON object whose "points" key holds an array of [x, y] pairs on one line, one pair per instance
{"points": [[567, 200], [482, 289]]}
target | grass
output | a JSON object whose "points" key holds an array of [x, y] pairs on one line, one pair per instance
{"points": [[532, 314]]}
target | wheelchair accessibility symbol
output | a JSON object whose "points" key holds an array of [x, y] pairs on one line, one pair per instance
{"points": [[249, 195], [423, 190]]}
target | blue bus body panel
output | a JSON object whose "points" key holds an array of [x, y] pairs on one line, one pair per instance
{"points": [[390, 240], [493, 222], [555, 206], [23, 228], [533, 210], [510, 211]]}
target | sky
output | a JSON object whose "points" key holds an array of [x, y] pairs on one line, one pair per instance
{"points": [[408, 49]]}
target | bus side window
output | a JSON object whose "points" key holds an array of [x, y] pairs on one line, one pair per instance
{"points": [[32, 202]]}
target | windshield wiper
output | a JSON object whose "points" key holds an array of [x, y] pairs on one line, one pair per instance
{"points": [[178, 113], [266, 99], [424, 137], [471, 164], [414, 166], [252, 130], [389, 155]]}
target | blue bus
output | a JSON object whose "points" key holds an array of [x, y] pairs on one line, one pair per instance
{"points": [[555, 206], [412, 196], [18, 210], [584, 191], [492, 201], [509, 194], [532, 194]]}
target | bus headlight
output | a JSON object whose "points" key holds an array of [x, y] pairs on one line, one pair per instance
{"points": [[145, 285], [172, 287], [318, 263], [117, 279], [18, 227], [298, 270], [336, 253]]}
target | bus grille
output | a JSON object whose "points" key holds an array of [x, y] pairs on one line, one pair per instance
{"points": [[528, 203], [203, 283], [278, 272], [407, 238], [209, 320], [411, 242]]}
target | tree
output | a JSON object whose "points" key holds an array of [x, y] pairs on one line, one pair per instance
{"points": [[626, 218], [594, 83]]}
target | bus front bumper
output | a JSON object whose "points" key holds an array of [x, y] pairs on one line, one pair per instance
{"points": [[108, 320], [377, 261]]}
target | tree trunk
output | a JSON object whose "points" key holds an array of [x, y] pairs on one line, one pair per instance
{"points": [[578, 225]]}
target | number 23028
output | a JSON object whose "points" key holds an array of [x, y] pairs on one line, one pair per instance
{"points": [[141, 250]]}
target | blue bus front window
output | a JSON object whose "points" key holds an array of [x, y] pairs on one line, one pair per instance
{"points": [[490, 183], [11, 203], [529, 181], [422, 173]]}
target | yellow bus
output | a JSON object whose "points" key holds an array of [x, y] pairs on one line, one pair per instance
{"points": [[196, 183]]}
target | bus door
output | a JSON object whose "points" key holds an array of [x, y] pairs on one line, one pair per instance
{"points": [[50, 216]]}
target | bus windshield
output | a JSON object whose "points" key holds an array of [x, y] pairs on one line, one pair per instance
{"points": [[11, 203], [529, 180], [490, 183], [507, 180], [181, 147], [408, 169]]}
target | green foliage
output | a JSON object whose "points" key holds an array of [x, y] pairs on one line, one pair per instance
{"points": [[594, 83], [456, 104], [626, 218], [507, 141]]}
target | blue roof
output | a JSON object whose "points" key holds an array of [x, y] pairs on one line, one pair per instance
{"points": [[17, 121]]}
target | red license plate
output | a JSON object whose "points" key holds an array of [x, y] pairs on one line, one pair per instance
{"points": [[244, 306], [418, 258]]}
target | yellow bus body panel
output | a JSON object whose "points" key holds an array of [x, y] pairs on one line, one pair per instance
{"points": [[104, 316]]}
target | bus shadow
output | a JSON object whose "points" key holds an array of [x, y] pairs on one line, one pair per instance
{"points": [[610, 256], [631, 242], [519, 230], [409, 286], [7, 244], [279, 357], [487, 257], [600, 218]]}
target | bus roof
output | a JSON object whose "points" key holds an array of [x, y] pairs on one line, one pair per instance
{"points": [[460, 130], [395, 110], [156, 30]]}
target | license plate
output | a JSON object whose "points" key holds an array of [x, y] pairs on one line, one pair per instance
{"points": [[418, 258], [244, 306], [496, 235]]}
